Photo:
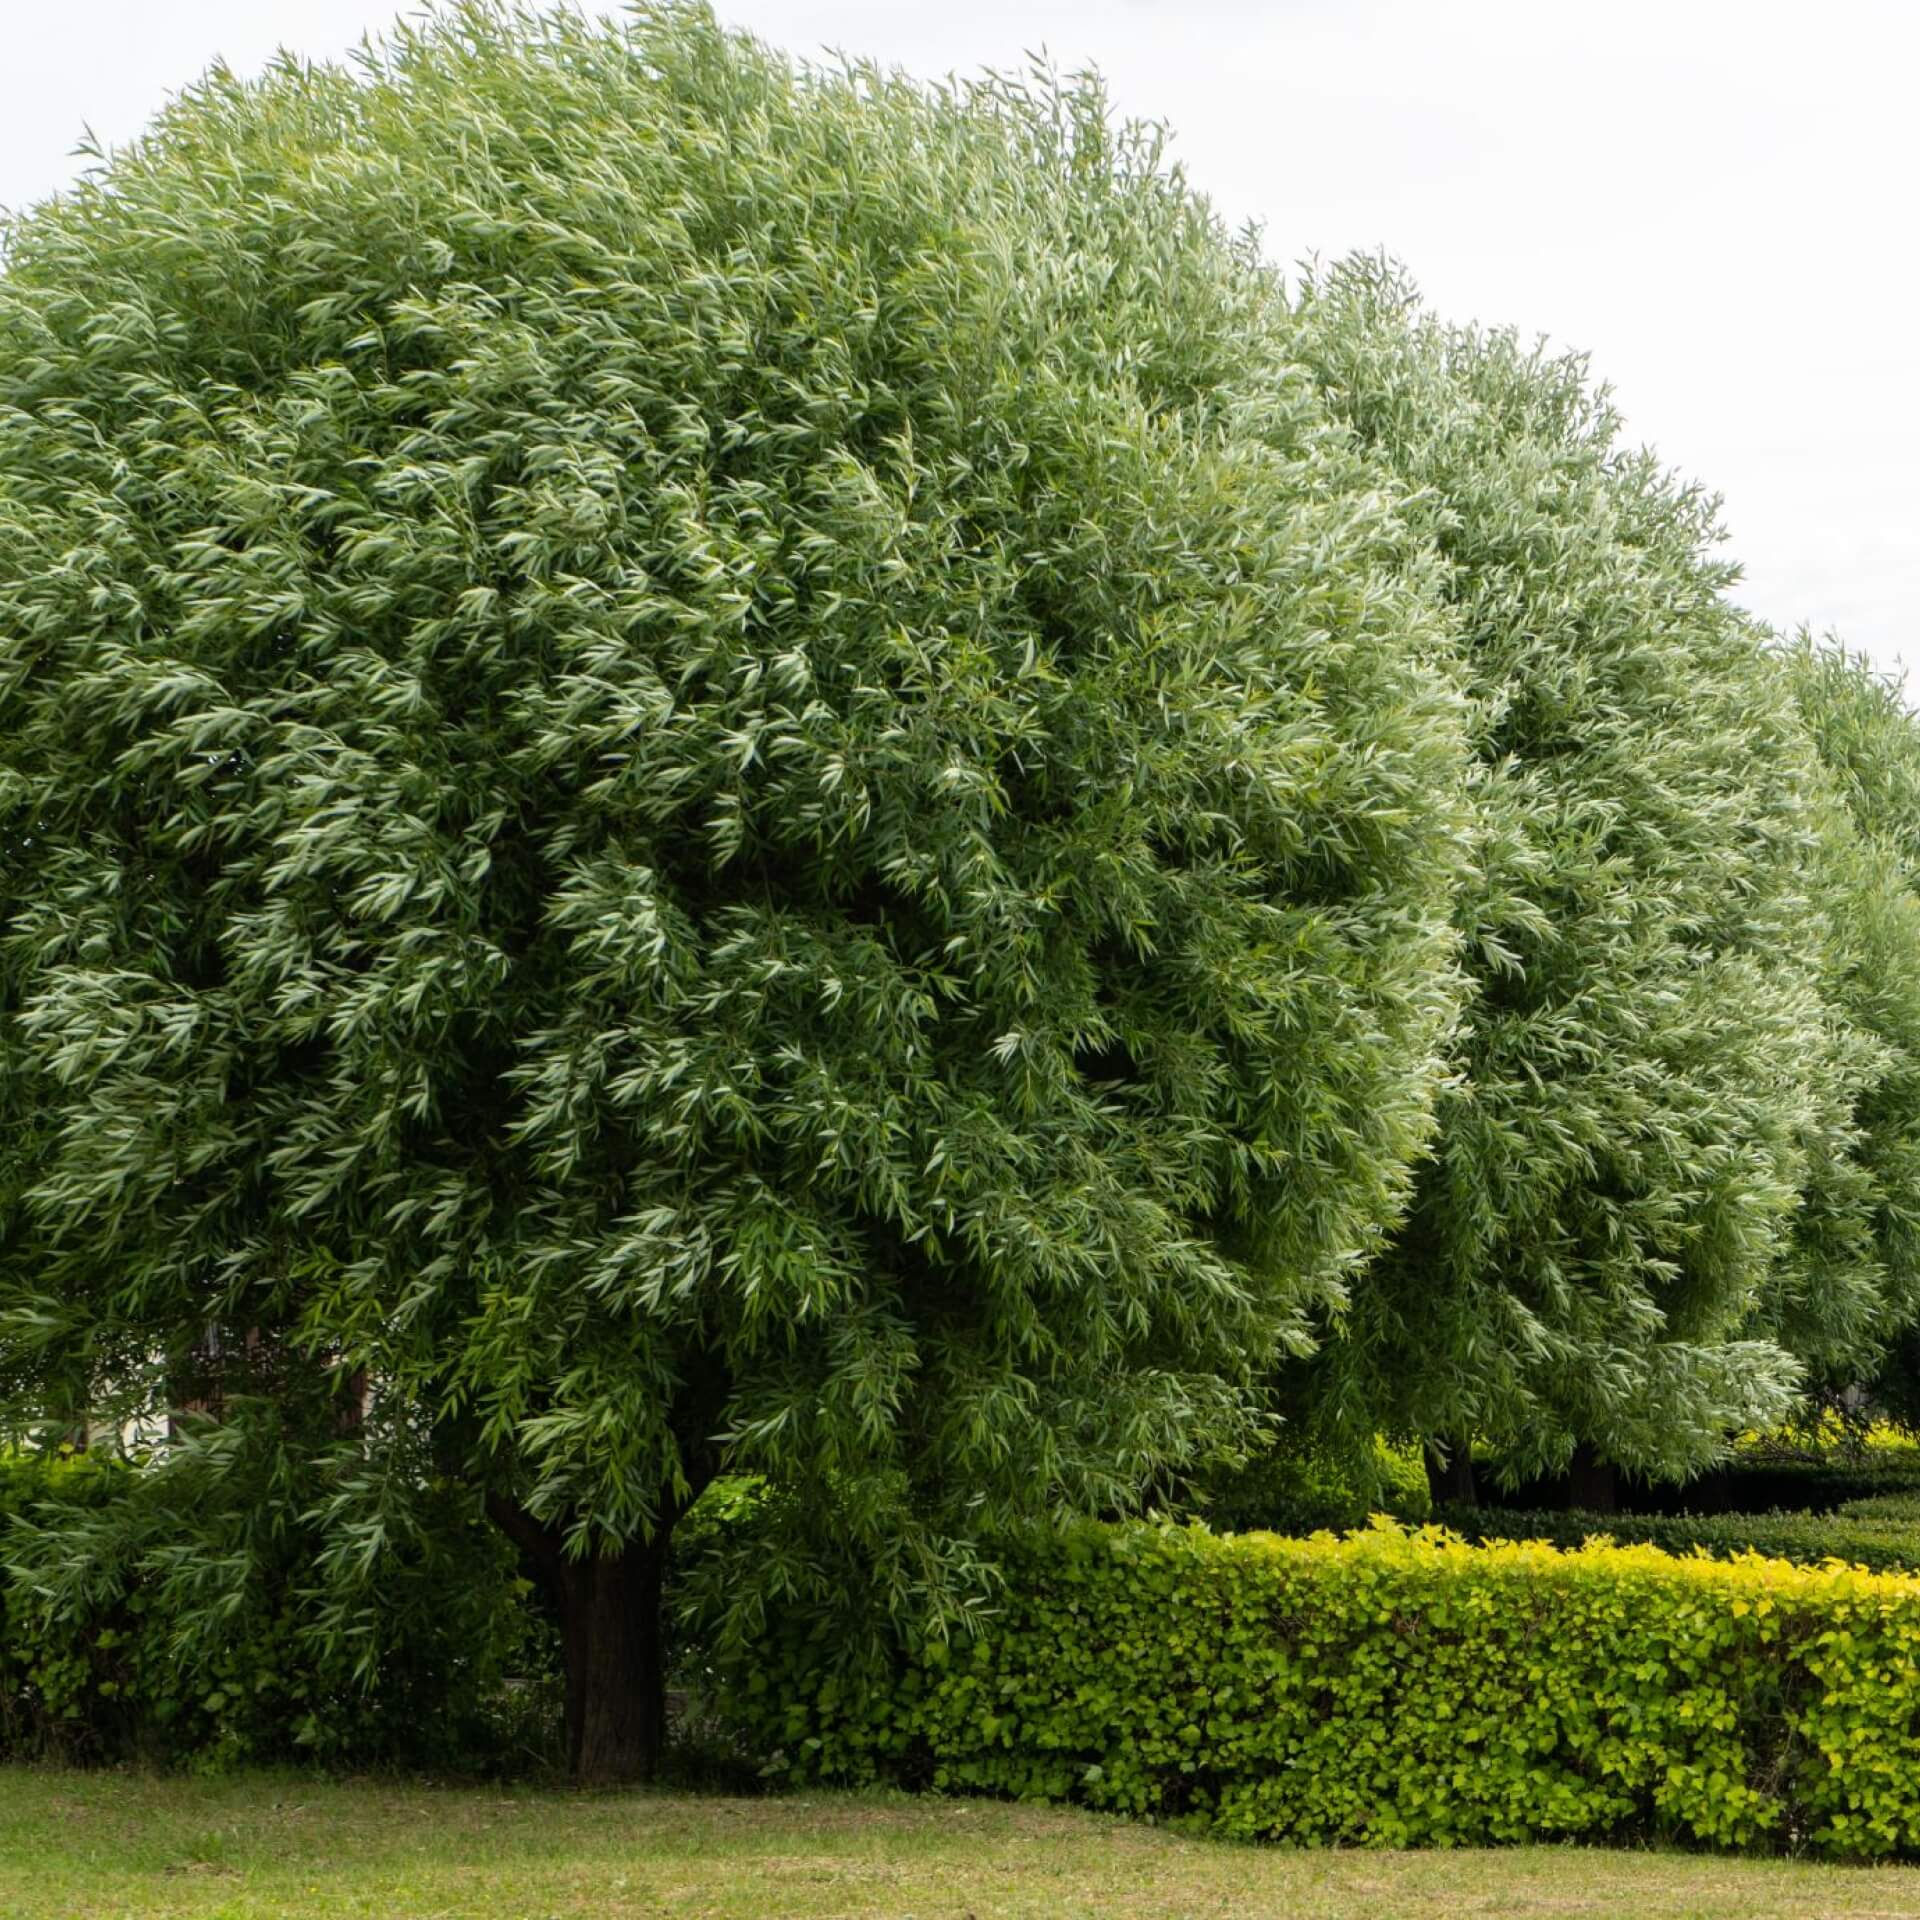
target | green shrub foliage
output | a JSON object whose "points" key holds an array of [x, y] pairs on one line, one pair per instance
{"points": [[710, 764], [1882, 1534], [1817, 1482], [1301, 1484], [1392, 1689], [1756, 1477], [196, 1613], [1646, 1069]]}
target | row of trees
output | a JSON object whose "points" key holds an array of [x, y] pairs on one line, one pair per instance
{"points": [[715, 767], [1673, 1184]]}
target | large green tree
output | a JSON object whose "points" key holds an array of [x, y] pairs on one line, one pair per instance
{"points": [[1646, 1065], [1848, 1295], [706, 766]]}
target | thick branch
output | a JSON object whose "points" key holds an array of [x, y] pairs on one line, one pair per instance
{"points": [[536, 1538]]}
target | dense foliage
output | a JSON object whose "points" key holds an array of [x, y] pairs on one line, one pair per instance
{"points": [[1849, 1298], [1301, 1483], [719, 777], [1391, 1689], [1883, 1538], [201, 1618], [705, 765], [1647, 1069]]}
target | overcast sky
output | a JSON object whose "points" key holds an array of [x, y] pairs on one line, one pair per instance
{"points": [[1712, 197]]}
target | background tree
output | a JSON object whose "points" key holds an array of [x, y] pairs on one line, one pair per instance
{"points": [[705, 763], [1644, 1061], [1849, 1294]]}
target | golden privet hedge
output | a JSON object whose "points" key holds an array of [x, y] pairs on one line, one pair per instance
{"points": [[1393, 1689]]}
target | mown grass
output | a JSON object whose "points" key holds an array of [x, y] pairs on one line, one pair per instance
{"points": [[109, 1846]]}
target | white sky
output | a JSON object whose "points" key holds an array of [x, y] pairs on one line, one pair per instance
{"points": [[1713, 197]]}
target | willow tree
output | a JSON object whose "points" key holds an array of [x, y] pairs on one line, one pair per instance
{"points": [[1847, 1298], [703, 765], [1645, 1065]]}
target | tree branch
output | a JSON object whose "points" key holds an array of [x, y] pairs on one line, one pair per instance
{"points": [[534, 1537]]}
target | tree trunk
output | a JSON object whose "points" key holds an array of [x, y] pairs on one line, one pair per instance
{"points": [[610, 1634], [611, 1605], [1593, 1484], [616, 1664], [1450, 1476]]}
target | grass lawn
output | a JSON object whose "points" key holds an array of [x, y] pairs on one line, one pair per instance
{"points": [[103, 1846]]}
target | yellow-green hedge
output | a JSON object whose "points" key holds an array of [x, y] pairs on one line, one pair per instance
{"points": [[1394, 1689]]}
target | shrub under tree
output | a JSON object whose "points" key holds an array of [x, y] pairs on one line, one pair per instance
{"points": [[702, 765]]}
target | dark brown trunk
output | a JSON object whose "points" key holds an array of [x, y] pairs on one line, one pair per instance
{"points": [[616, 1664], [611, 1605], [353, 1401], [1450, 1476], [611, 1639], [1593, 1484]]}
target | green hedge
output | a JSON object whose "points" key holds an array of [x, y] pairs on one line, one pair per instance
{"points": [[1882, 1533], [1390, 1689], [1751, 1482], [1759, 1484], [1903, 1508]]}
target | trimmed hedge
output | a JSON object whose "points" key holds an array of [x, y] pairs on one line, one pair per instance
{"points": [[1901, 1507], [1390, 1689], [1820, 1485], [1882, 1534], [1748, 1483]]}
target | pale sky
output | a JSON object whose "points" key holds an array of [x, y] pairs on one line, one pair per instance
{"points": [[1714, 198]]}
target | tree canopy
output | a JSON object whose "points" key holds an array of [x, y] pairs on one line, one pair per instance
{"points": [[704, 763], [1848, 1299], [709, 765], [1646, 1065]]}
